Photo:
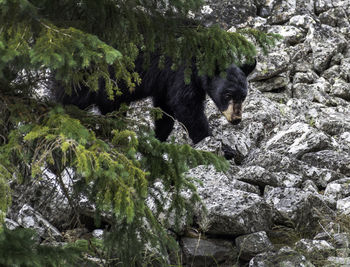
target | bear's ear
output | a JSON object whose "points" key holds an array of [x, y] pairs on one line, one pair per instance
{"points": [[248, 68]]}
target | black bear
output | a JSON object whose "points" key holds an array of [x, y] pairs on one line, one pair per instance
{"points": [[182, 101]]}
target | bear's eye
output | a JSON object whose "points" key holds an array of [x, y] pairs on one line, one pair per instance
{"points": [[227, 97]]}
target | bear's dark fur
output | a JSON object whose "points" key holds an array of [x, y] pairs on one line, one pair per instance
{"points": [[182, 101]]}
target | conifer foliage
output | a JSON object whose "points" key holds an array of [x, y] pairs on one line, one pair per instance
{"points": [[114, 167]]}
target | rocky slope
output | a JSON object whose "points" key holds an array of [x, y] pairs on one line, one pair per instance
{"points": [[286, 198]]}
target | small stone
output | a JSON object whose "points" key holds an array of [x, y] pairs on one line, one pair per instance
{"points": [[252, 244], [207, 252], [315, 249], [286, 256], [98, 233]]}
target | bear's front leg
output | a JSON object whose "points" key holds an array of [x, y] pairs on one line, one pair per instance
{"points": [[195, 121], [165, 124], [163, 127]]}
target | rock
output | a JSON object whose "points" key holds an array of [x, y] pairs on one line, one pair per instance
{"points": [[242, 186], [274, 84], [286, 179], [310, 186], [338, 262], [210, 144], [271, 66], [341, 240], [344, 68], [230, 209], [207, 252], [343, 206], [258, 176], [302, 21], [29, 218], [234, 212], [338, 189], [341, 89], [333, 122], [278, 163], [308, 77], [332, 74], [315, 92], [159, 201], [324, 43], [252, 244], [46, 195], [315, 249], [259, 112], [297, 139], [217, 11], [291, 34], [302, 209], [337, 161], [11, 224], [335, 17], [98, 233], [282, 11], [286, 256], [323, 5]]}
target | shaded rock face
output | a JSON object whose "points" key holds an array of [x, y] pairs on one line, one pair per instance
{"points": [[199, 252]]}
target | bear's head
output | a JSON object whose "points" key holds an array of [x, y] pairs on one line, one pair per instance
{"points": [[229, 92]]}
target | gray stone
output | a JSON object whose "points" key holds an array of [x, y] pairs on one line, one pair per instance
{"points": [[338, 262], [341, 89], [323, 5], [282, 11], [291, 34], [11, 224], [335, 17], [297, 139], [252, 244], [302, 21], [98, 233], [229, 209], [332, 74], [343, 206], [218, 11], [286, 179], [315, 92], [258, 176], [277, 162], [333, 122], [259, 111], [235, 212], [271, 66], [338, 189], [315, 249], [303, 209], [277, 83], [305, 77], [324, 43], [207, 252], [341, 240], [310, 186], [45, 195], [242, 186], [29, 218], [333, 160], [320, 176], [286, 256]]}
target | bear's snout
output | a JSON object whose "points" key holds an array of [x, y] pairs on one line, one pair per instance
{"points": [[233, 113]]}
